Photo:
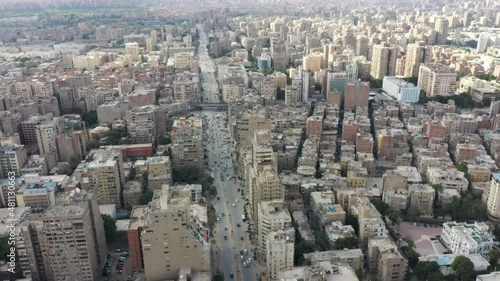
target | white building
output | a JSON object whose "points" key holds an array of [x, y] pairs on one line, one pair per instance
{"points": [[467, 239], [401, 90], [493, 201], [280, 251]]}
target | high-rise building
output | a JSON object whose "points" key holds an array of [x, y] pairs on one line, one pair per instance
{"points": [[183, 244], [291, 95], [467, 18], [47, 133], [132, 49], [144, 123], [437, 80], [313, 62], [415, 54], [356, 94], [385, 144], [12, 159], [493, 201], [362, 45], [280, 251], [384, 61], [103, 173], [385, 260], [67, 242], [273, 216], [441, 27], [187, 145]]}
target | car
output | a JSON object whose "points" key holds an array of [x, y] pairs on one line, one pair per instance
{"points": [[231, 275], [234, 205], [225, 237], [237, 225], [118, 250], [225, 228], [242, 238], [237, 201]]}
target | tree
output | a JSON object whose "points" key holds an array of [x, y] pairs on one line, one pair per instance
{"points": [[109, 227], [352, 221], [317, 86], [73, 162], [410, 242], [494, 256], [396, 219], [146, 197], [382, 207], [144, 179], [463, 267], [425, 269], [414, 213], [151, 154], [302, 248], [346, 243], [321, 241], [4, 248], [163, 140], [411, 255], [461, 208], [132, 158], [90, 118], [211, 217], [131, 174]]}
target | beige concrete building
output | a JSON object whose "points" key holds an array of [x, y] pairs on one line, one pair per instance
{"points": [[141, 125], [422, 198], [246, 123], [132, 192], [44, 253], [352, 257], [280, 251], [292, 95], [159, 171], [371, 225], [183, 244], [385, 260], [104, 174], [12, 159], [187, 146], [324, 270], [273, 216], [132, 49], [383, 61], [313, 62], [493, 201], [231, 93], [437, 80], [110, 112]]}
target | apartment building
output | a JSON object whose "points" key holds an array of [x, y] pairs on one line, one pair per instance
{"points": [[187, 146], [437, 80], [352, 257], [137, 218], [245, 124], [280, 251], [493, 201], [66, 242], [273, 216], [141, 124], [383, 61], [186, 87], [110, 112], [159, 171], [103, 173], [184, 244], [12, 159], [422, 198], [467, 239], [448, 178], [385, 260]]}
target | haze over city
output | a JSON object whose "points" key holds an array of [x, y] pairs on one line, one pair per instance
{"points": [[269, 140]]}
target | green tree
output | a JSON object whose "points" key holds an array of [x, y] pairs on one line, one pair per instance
{"points": [[463, 267], [410, 242], [132, 158], [90, 118], [74, 161], [211, 217], [109, 227], [4, 248], [396, 219], [131, 174], [163, 140], [317, 86], [321, 241], [352, 221], [346, 243], [411, 255], [423, 270], [382, 207], [302, 248], [151, 154], [144, 179], [146, 197], [461, 208], [494, 256]]}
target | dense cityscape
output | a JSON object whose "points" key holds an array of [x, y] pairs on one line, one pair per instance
{"points": [[269, 140]]}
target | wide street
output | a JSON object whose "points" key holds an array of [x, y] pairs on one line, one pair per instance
{"points": [[230, 233]]}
